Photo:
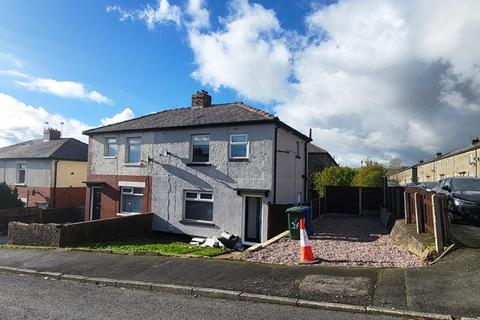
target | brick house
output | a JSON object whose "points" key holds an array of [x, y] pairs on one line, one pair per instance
{"points": [[201, 170], [46, 172]]}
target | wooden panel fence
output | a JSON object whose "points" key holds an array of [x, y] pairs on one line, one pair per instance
{"points": [[419, 203]]}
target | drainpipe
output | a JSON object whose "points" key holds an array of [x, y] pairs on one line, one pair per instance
{"points": [[305, 171], [54, 197], [275, 165]]}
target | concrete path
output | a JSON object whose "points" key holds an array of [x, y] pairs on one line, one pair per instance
{"points": [[429, 289]]}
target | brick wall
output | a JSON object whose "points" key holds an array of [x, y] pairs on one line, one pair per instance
{"points": [[110, 202], [73, 234]]}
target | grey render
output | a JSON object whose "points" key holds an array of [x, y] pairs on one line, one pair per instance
{"points": [[166, 156]]}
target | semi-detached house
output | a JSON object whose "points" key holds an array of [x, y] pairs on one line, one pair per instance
{"points": [[46, 172], [201, 170]]}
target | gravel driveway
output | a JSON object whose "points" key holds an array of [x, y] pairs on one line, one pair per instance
{"points": [[343, 240]]}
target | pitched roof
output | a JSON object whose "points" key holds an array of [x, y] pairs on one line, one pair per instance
{"points": [[61, 149], [217, 114], [311, 148]]}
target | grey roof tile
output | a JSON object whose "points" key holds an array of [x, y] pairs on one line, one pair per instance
{"points": [[218, 114], [62, 149]]}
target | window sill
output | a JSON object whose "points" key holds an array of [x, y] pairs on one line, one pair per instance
{"points": [[21, 184], [238, 159], [132, 164], [110, 157], [198, 223], [199, 164], [127, 214]]}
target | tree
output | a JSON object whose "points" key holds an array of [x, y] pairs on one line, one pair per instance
{"points": [[333, 176], [370, 175], [8, 197]]}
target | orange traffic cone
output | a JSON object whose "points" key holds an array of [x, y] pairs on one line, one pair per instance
{"points": [[306, 253]]}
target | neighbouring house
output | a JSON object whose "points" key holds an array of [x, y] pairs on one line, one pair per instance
{"points": [[404, 176], [46, 172], [463, 162], [201, 170], [318, 159]]}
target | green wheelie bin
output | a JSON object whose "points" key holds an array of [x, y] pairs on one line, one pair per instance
{"points": [[294, 216]]}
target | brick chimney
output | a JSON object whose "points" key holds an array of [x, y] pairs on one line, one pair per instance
{"points": [[50, 134], [475, 141], [201, 99], [439, 154]]}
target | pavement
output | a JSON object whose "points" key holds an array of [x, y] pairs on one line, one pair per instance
{"points": [[452, 286], [26, 297]]}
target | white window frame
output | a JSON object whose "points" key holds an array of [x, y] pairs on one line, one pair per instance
{"points": [[24, 173], [197, 199], [107, 147], [247, 146], [132, 193], [192, 145], [128, 144]]}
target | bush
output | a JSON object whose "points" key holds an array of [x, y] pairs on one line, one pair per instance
{"points": [[369, 176], [8, 197], [333, 176]]}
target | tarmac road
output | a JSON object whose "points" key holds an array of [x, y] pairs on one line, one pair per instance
{"points": [[26, 297]]}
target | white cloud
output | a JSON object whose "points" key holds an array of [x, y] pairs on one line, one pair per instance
{"points": [[161, 13], [13, 73], [248, 55], [126, 114], [376, 79], [200, 16], [21, 122], [65, 89]]}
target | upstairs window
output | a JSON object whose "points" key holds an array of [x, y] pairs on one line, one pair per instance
{"points": [[133, 150], [200, 148], [111, 147], [21, 172], [132, 200], [239, 146]]}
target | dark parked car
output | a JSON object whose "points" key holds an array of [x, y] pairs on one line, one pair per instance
{"points": [[463, 198], [429, 186]]}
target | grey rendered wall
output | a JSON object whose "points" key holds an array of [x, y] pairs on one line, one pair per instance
{"points": [[38, 174], [172, 176], [290, 168]]}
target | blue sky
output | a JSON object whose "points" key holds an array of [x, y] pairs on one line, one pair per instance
{"points": [[134, 67], [377, 79]]}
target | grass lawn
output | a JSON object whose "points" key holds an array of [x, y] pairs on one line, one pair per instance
{"points": [[162, 247]]}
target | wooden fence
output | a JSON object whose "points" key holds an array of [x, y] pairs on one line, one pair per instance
{"points": [[420, 209]]}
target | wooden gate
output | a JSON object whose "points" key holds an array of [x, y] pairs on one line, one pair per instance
{"points": [[342, 200]]}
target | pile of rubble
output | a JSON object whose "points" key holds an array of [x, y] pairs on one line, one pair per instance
{"points": [[226, 241]]}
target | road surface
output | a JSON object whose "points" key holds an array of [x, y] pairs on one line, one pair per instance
{"points": [[27, 297]]}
